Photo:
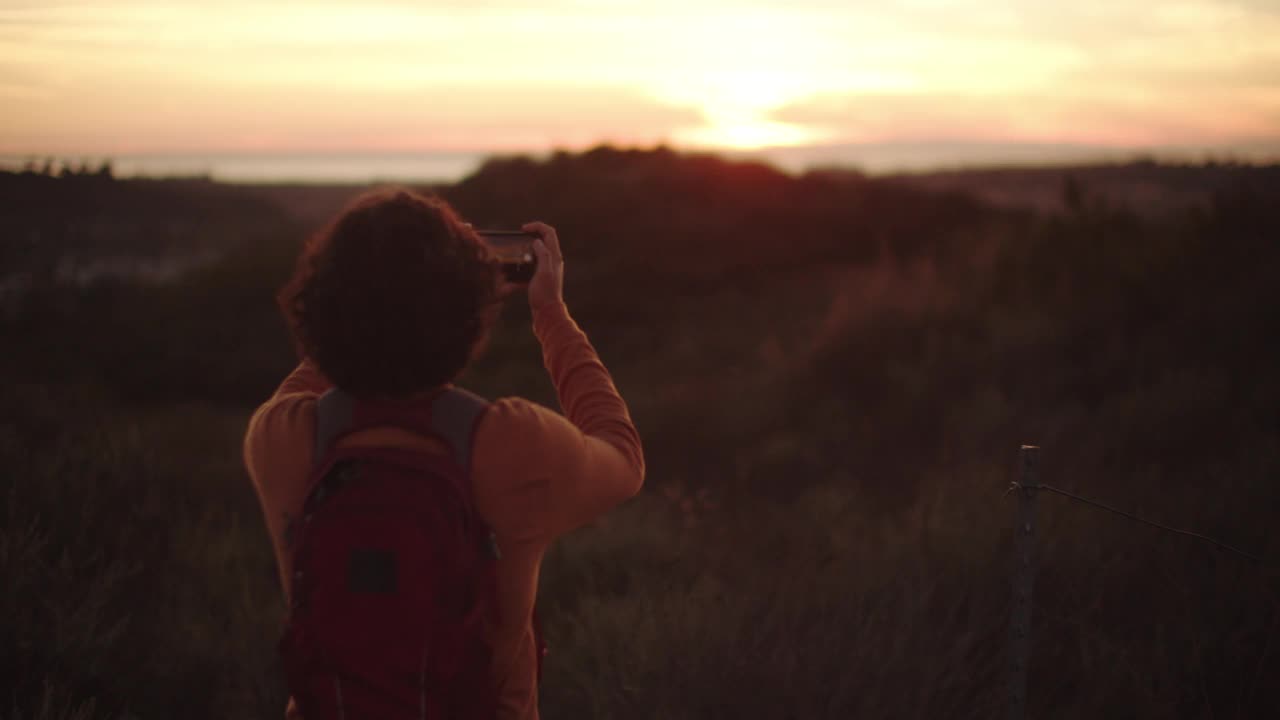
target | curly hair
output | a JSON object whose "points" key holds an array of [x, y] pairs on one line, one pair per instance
{"points": [[393, 297]]}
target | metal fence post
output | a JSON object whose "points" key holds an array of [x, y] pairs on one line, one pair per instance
{"points": [[1023, 578]]}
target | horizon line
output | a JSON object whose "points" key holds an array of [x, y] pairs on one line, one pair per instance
{"points": [[1255, 143], [883, 159]]}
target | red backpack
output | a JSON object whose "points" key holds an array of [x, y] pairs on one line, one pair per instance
{"points": [[393, 570]]}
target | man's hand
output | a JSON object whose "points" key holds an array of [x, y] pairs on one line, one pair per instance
{"points": [[547, 285]]}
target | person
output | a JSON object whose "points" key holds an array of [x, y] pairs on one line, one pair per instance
{"points": [[393, 301]]}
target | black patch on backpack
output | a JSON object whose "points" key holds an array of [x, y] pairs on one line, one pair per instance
{"points": [[371, 571]]}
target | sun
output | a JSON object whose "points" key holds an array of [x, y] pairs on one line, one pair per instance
{"points": [[736, 106]]}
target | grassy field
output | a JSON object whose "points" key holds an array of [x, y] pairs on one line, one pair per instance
{"points": [[832, 375]]}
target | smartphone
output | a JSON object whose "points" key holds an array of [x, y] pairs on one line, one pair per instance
{"points": [[514, 249]]}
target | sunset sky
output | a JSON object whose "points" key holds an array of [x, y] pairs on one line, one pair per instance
{"points": [[130, 76]]}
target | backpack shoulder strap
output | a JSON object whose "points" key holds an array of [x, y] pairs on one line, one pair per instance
{"points": [[335, 413], [454, 416]]}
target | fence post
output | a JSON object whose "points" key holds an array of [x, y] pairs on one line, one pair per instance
{"points": [[1024, 574]]}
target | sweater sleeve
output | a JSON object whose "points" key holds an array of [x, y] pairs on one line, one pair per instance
{"points": [[585, 389], [541, 474]]}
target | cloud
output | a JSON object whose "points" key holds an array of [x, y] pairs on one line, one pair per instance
{"points": [[1164, 84], [1103, 118], [881, 116], [173, 118]]}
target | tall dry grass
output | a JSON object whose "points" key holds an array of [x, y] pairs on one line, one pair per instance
{"points": [[830, 425]]}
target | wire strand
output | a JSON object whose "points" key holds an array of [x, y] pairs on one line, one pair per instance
{"points": [[1019, 486]]}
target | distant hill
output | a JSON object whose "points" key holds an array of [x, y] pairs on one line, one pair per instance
{"points": [[79, 227], [927, 156], [1146, 187]]}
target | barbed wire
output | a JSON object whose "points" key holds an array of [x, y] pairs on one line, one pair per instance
{"points": [[1015, 485]]}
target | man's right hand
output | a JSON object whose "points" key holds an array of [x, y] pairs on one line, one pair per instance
{"points": [[547, 286]]}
